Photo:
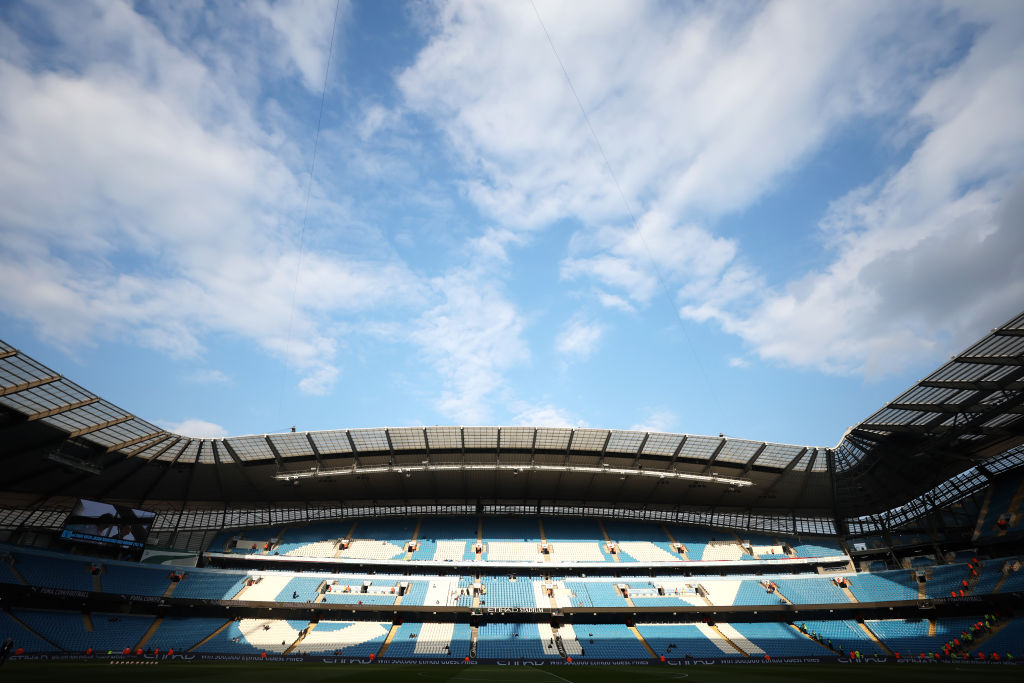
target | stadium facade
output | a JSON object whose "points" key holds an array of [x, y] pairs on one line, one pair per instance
{"points": [[517, 543]]}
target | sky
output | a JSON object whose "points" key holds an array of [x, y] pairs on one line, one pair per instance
{"points": [[761, 219]]}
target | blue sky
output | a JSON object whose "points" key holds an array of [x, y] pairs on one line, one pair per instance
{"points": [[781, 214]]}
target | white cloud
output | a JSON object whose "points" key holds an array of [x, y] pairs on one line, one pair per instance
{"points": [[320, 381], [614, 301], [640, 261], [196, 429], [936, 246], [579, 337], [304, 31], [208, 377], [737, 362], [138, 199], [657, 421], [472, 337], [702, 119], [544, 416], [675, 114]]}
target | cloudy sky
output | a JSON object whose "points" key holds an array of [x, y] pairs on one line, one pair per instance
{"points": [[758, 218]]}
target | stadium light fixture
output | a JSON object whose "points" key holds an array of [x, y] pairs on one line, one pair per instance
{"points": [[620, 472]]}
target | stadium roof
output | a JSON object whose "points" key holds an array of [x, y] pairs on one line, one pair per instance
{"points": [[61, 440]]}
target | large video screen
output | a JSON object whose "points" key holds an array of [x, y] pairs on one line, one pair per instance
{"points": [[95, 522]]}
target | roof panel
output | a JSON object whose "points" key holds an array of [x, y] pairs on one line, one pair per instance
{"points": [[997, 347], [481, 437], [172, 452], [190, 452], [331, 442], [517, 438], [206, 454], [777, 455], [821, 464], [369, 440], [699, 447], [553, 438], [155, 448], [737, 450], [662, 444], [291, 445], [20, 369], [625, 442], [121, 432], [444, 438], [250, 448], [589, 439], [407, 438]]}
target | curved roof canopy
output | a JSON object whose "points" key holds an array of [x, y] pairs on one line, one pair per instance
{"points": [[62, 440]]}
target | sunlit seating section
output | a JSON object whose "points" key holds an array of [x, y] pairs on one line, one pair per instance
{"points": [[810, 591], [567, 551], [255, 635], [815, 547], [210, 585], [641, 541], [844, 633], [576, 539], [645, 551], [733, 592], [608, 641], [503, 592], [430, 641], [314, 549], [512, 641], [697, 538], [779, 640], [723, 551], [896, 584], [297, 589], [595, 594], [512, 551], [181, 633], [345, 638], [453, 539], [135, 580], [753, 593], [675, 641], [22, 637], [380, 539], [365, 549], [446, 551], [67, 629], [438, 591], [52, 571], [266, 588]]}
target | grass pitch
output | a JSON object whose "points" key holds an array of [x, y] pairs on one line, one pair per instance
{"points": [[259, 672]]}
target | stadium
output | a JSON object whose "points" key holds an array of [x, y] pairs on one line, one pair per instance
{"points": [[518, 546], [493, 342]]}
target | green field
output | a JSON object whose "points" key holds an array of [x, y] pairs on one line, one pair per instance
{"points": [[219, 672]]}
